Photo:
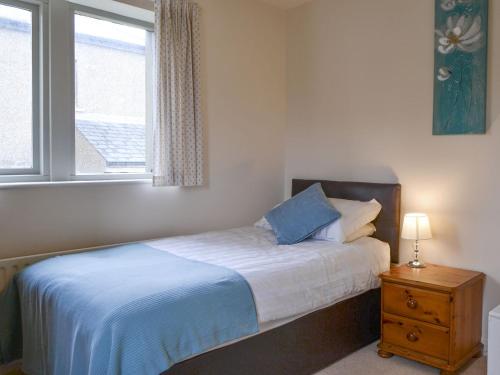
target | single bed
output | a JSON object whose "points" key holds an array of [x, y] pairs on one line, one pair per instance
{"points": [[248, 305], [312, 342]]}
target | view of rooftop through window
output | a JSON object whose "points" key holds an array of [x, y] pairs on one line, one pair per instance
{"points": [[110, 96], [16, 109]]}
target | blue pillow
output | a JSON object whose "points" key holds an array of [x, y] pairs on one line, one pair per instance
{"points": [[301, 216]]}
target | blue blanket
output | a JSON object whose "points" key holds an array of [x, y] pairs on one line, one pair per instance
{"points": [[129, 309]]}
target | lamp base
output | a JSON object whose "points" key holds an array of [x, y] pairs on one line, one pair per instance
{"points": [[416, 264]]}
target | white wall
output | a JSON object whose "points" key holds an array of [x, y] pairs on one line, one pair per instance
{"points": [[360, 89], [244, 91]]}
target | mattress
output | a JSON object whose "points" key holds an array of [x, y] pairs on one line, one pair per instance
{"points": [[287, 281]]}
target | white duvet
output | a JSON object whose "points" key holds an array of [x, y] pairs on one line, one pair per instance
{"points": [[287, 281]]}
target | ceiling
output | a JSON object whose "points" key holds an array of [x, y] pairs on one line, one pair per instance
{"points": [[285, 4]]}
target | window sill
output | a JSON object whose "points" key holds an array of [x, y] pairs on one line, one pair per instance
{"points": [[32, 184]]}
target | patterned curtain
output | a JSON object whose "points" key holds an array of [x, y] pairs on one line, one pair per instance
{"points": [[178, 153]]}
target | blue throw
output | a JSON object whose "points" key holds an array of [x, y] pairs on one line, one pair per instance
{"points": [[128, 309]]}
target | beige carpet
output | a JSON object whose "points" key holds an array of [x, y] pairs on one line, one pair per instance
{"points": [[367, 362]]}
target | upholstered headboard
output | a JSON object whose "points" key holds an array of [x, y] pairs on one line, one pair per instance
{"points": [[389, 195]]}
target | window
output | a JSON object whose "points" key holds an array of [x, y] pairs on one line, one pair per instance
{"points": [[19, 88], [88, 114], [113, 81]]}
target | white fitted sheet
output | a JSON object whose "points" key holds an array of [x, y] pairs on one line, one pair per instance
{"points": [[287, 281]]}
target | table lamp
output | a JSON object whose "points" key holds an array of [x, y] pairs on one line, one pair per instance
{"points": [[416, 227]]}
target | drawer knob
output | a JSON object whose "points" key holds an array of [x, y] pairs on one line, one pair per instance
{"points": [[412, 303], [412, 337]]}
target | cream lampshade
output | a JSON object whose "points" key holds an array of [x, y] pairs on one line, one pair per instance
{"points": [[416, 227]]}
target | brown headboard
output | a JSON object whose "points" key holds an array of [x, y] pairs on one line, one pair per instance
{"points": [[388, 195]]}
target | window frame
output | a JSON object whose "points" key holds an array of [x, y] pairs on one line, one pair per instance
{"points": [[56, 118], [77, 9], [38, 123]]}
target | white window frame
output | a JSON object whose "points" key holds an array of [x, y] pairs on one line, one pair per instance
{"points": [[77, 9], [39, 170], [56, 98]]}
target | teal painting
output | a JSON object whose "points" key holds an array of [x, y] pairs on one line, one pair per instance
{"points": [[460, 67]]}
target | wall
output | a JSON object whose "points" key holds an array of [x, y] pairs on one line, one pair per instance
{"points": [[244, 91], [360, 81]]}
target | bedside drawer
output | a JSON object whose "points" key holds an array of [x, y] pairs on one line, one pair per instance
{"points": [[416, 336], [415, 303]]}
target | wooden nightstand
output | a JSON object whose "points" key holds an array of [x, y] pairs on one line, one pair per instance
{"points": [[432, 315]]}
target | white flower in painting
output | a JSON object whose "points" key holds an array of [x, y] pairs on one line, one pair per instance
{"points": [[463, 33], [448, 5], [444, 74]]}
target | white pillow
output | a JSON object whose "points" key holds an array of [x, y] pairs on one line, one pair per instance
{"points": [[355, 215], [264, 224], [365, 231], [354, 223]]}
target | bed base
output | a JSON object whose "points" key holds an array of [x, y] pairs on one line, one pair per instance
{"points": [[301, 347]]}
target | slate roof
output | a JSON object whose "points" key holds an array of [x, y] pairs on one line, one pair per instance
{"points": [[121, 145]]}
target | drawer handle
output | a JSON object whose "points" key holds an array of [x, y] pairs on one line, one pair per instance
{"points": [[412, 337], [412, 303]]}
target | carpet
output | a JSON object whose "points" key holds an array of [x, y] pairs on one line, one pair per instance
{"points": [[367, 362]]}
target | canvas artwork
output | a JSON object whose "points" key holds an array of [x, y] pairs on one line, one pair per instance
{"points": [[460, 67]]}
